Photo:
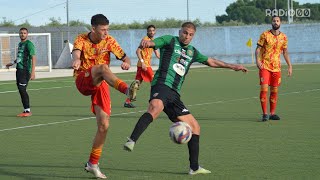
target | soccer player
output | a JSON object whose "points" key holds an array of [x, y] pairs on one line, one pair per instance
{"points": [[91, 59], [271, 44], [176, 58], [144, 70], [26, 63]]}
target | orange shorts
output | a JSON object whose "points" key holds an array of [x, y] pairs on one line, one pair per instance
{"points": [[270, 78], [100, 95], [146, 76]]}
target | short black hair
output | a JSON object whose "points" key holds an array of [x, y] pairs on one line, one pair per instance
{"points": [[151, 26], [23, 28], [99, 19], [189, 25]]}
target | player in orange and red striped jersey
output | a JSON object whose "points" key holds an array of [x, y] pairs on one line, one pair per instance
{"points": [[91, 59], [271, 45], [144, 70]]}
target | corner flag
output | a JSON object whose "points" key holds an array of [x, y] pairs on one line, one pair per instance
{"points": [[249, 43]]}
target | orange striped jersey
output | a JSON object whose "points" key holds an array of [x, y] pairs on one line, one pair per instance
{"points": [[271, 48], [95, 54], [146, 54]]}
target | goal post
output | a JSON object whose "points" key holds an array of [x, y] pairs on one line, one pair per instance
{"points": [[42, 42]]}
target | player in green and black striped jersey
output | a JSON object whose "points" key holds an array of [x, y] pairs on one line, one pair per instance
{"points": [[176, 57], [26, 60]]}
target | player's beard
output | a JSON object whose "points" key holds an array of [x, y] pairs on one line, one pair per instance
{"points": [[275, 27], [23, 38]]}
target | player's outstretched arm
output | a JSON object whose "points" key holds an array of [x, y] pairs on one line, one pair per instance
{"points": [[215, 63]]}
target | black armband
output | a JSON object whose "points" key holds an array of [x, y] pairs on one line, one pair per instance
{"points": [[122, 57]]}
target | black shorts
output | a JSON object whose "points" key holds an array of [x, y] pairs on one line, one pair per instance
{"points": [[22, 77], [173, 106]]}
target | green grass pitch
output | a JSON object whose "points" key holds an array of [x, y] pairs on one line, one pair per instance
{"points": [[55, 142]]}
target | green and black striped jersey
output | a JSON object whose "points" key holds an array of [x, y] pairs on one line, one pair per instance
{"points": [[175, 61], [26, 50]]}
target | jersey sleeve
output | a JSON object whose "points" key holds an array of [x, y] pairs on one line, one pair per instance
{"points": [[162, 41], [31, 48], [261, 40], [78, 43], [116, 49], [285, 44], [200, 57]]}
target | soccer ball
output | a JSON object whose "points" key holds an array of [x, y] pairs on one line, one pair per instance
{"points": [[180, 132]]}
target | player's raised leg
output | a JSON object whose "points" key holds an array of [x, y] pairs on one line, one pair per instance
{"points": [[103, 72]]}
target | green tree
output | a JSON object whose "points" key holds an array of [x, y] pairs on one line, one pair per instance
{"points": [[54, 22], [254, 11], [25, 24], [6, 23]]}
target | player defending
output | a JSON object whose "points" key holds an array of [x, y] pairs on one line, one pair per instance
{"points": [[269, 47], [144, 70], [91, 59], [26, 63], [176, 58]]}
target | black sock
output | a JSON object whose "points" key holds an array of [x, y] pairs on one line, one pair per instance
{"points": [[141, 126], [24, 97], [193, 146]]}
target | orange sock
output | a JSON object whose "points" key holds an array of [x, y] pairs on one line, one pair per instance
{"points": [[121, 86], [263, 99], [273, 100], [95, 155]]}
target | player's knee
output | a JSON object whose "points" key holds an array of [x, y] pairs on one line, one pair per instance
{"points": [[195, 128], [105, 68], [264, 88], [103, 126], [274, 89], [22, 87], [155, 108]]}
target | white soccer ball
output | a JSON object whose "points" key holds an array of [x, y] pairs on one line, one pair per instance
{"points": [[180, 132]]}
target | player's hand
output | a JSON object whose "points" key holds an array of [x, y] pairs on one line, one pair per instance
{"points": [[240, 68], [289, 71], [33, 76], [259, 65], [76, 64], [8, 65], [145, 43], [125, 66], [143, 66]]}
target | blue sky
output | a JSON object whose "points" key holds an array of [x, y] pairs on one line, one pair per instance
{"points": [[118, 11]]}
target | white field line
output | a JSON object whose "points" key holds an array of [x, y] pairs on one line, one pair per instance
{"points": [[44, 81], [4, 92], [201, 104], [61, 122]]}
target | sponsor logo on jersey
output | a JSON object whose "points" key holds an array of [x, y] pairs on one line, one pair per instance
{"points": [[183, 54], [185, 110]]}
